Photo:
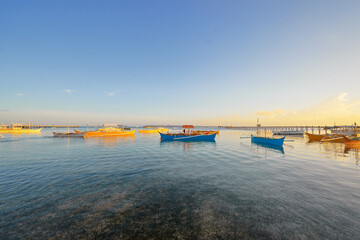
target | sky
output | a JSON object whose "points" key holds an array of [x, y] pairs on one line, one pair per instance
{"points": [[180, 62]]}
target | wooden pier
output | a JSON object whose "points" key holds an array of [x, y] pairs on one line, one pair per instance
{"points": [[51, 126], [312, 129]]}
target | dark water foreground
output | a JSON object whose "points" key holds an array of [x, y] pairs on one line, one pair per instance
{"points": [[141, 188]]}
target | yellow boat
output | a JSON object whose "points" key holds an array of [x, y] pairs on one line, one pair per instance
{"points": [[18, 129], [108, 131], [153, 130]]}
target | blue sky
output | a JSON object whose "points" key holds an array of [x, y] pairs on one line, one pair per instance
{"points": [[174, 61]]}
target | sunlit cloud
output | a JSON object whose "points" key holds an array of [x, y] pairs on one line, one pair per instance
{"points": [[69, 91], [334, 109], [19, 94]]}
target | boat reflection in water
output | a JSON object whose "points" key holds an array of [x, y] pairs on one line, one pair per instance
{"points": [[271, 147], [187, 145], [110, 141], [354, 152]]}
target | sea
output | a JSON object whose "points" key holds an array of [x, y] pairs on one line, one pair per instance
{"points": [[142, 188]]}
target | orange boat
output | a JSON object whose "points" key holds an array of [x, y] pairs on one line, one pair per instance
{"points": [[352, 143], [355, 142], [333, 139], [315, 137]]}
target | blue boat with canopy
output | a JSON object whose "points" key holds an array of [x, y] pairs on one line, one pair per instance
{"points": [[187, 135]]}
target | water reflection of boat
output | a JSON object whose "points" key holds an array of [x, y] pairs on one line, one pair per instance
{"points": [[276, 148], [187, 145], [110, 141], [353, 151]]}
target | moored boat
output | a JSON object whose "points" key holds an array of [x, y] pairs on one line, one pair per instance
{"points": [[153, 130], [268, 140], [18, 129], [108, 131], [315, 137], [333, 139], [352, 143], [187, 137], [74, 134]]}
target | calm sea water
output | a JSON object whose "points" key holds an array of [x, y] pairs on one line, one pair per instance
{"points": [[141, 188]]}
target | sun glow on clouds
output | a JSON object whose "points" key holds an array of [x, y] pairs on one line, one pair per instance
{"points": [[335, 109]]}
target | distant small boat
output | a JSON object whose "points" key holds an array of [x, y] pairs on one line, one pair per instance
{"points": [[108, 131], [153, 130], [74, 134], [187, 137], [288, 132], [268, 140]]}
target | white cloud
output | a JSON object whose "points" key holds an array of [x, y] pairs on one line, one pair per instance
{"points": [[19, 94], [69, 91]]}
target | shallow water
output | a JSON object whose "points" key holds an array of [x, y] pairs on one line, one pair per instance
{"points": [[140, 187]]}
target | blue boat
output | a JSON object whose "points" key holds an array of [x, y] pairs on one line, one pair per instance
{"points": [[186, 137], [267, 140]]}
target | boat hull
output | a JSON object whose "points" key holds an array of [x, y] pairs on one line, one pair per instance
{"points": [[105, 134], [265, 140], [184, 137], [17, 131], [68, 134], [153, 130], [352, 143], [315, 137], [331, 139]]}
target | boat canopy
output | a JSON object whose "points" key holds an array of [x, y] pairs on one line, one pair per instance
{"points": [[187, 126]]}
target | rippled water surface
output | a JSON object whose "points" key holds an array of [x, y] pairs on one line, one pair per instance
{"points": [[139, 187]]}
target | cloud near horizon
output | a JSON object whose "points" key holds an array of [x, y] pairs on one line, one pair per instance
{"points": [[335, 109]]}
